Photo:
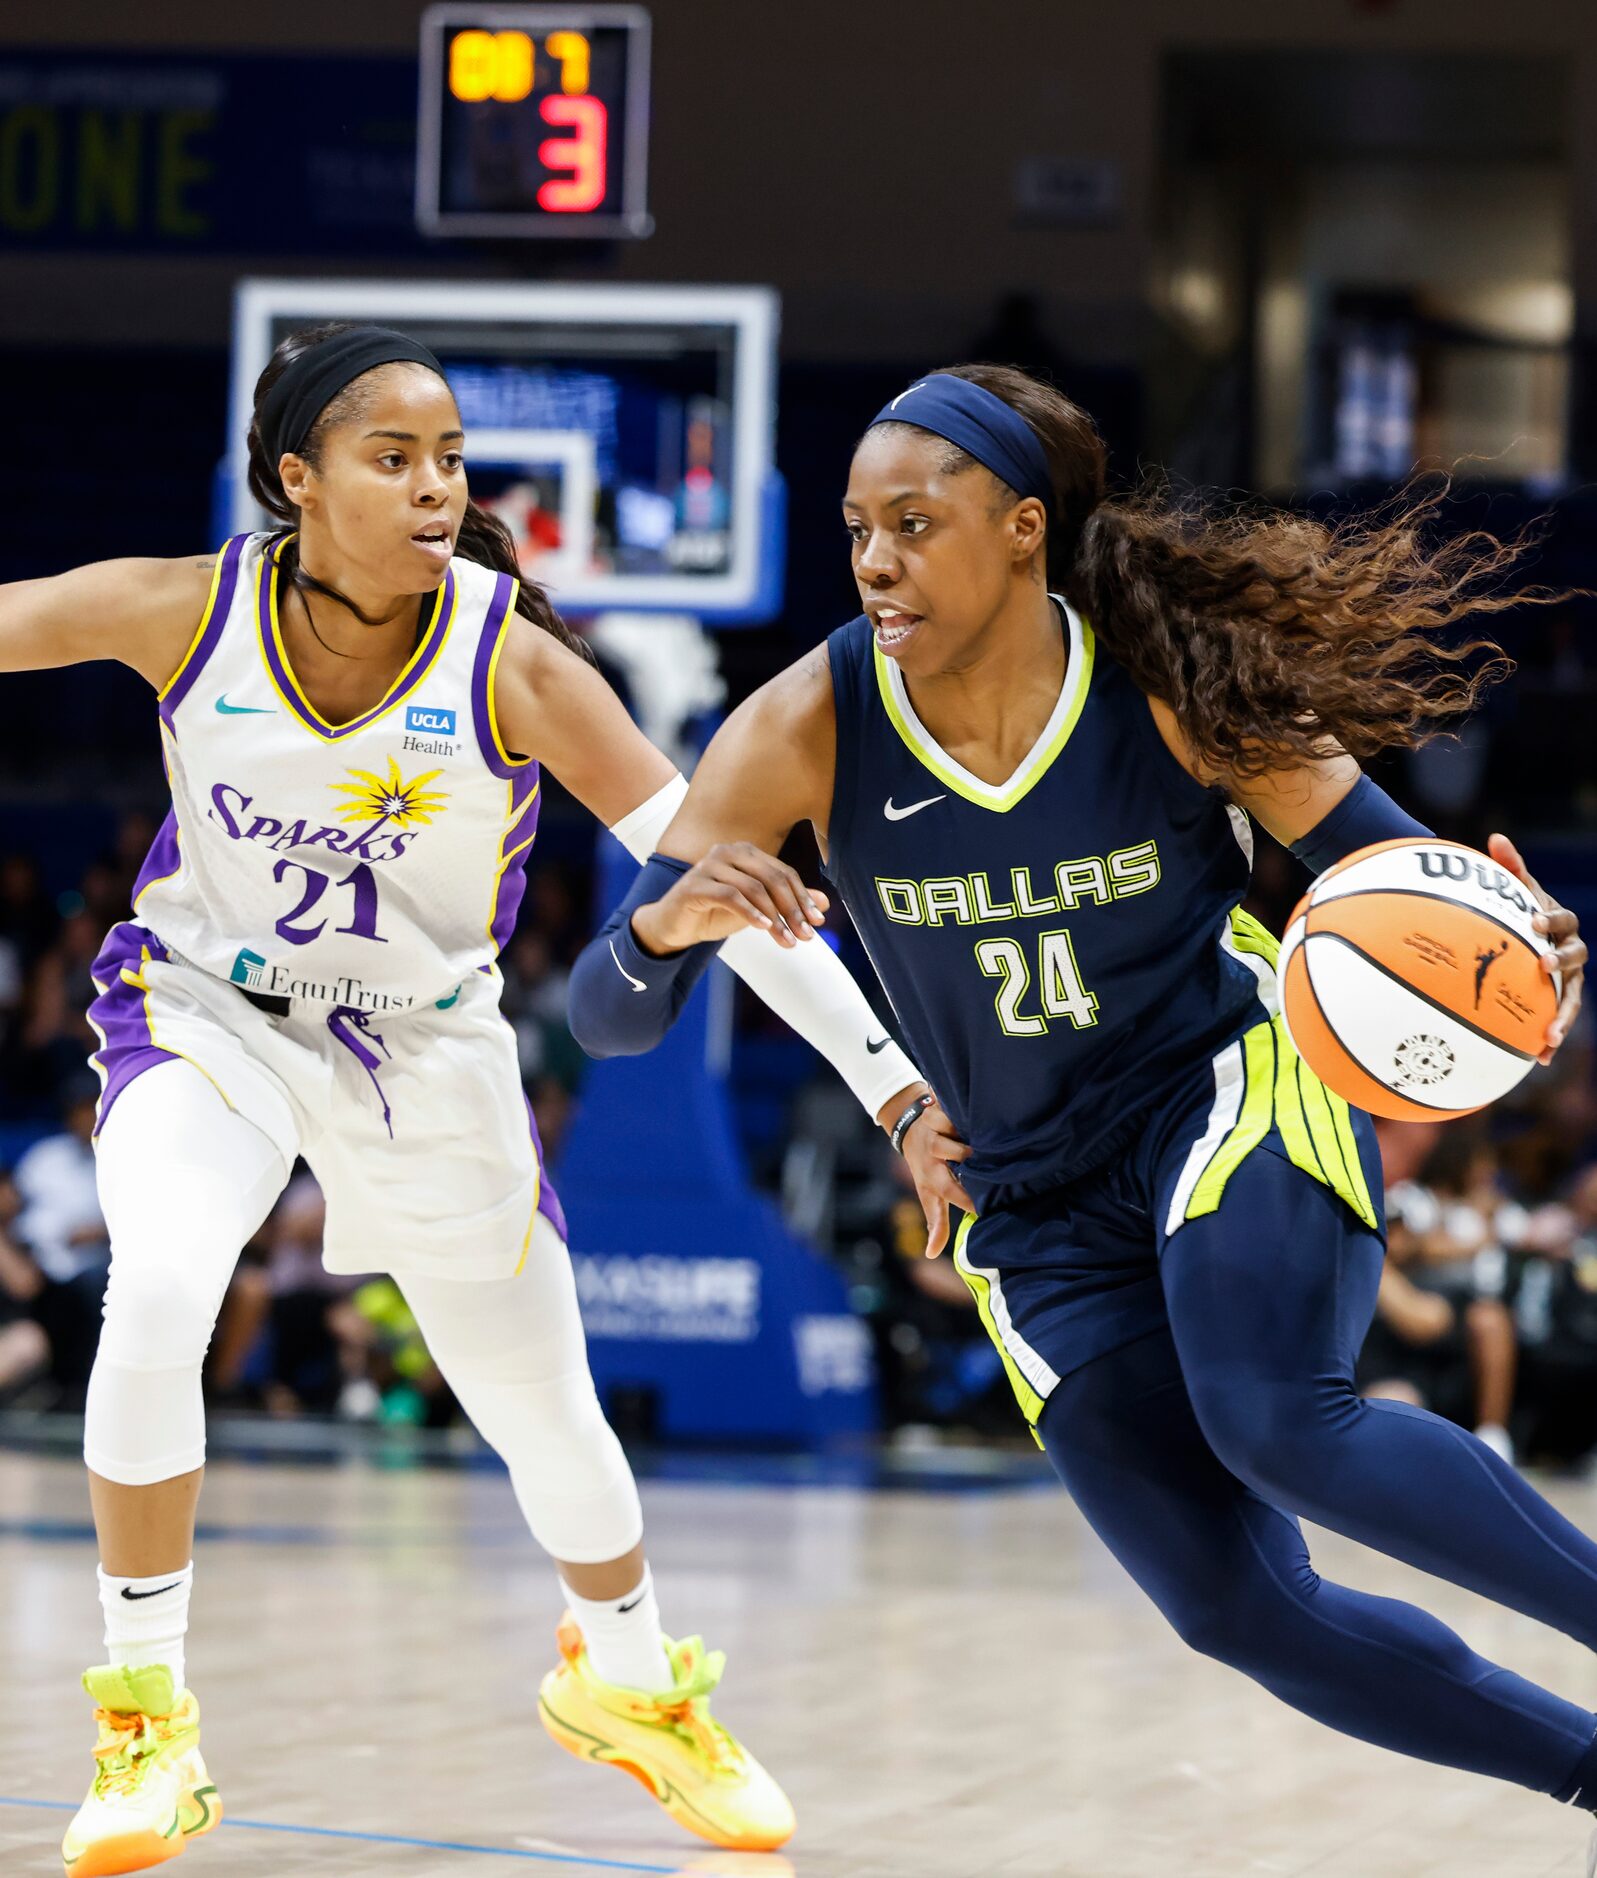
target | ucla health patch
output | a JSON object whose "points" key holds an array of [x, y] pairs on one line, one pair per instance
{"points": [[429, 730], [430, 722]]}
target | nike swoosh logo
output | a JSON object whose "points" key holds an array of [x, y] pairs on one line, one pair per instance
{"points": [[878, 1046], [637, 984], [622, 1609], [913, 808], [200, 1797], [134, 1596], [244, 710]]}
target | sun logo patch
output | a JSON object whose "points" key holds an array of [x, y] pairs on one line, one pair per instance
{"points": [[390, 798]]}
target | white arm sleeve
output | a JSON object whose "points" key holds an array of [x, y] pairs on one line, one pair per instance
{"points": [[639, 833], [808, 985]]}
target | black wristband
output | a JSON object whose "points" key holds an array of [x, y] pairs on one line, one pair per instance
{"points": [[909, 1118]]}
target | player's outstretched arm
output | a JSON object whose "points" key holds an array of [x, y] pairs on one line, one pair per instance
{"points": [[552, 705], [712, 875], [142, 613], [711, 883]]}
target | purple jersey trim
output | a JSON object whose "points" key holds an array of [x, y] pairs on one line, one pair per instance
{"points": [[482, 675], [119, 1014], [548, 1200], [525, 801], [164, 858], [525, 796], [422, 660], [214, 618]]}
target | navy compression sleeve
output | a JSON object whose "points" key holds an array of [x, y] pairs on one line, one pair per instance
{"points": [[622, 1000], [1365, 815]]}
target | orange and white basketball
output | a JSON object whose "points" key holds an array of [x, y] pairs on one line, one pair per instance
{"points": [[1411, 980]]}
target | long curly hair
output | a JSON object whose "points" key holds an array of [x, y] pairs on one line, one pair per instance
{"points": [[483, 537], [1268, 633]]}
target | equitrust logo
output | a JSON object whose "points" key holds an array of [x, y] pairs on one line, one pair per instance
{"points": [[247, 968], [430, 730]]}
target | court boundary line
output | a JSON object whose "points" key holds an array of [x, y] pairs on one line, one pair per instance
{"points": [[390, 1838]]}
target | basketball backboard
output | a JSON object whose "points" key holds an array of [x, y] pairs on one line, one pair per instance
{"points": [[623, 433]]}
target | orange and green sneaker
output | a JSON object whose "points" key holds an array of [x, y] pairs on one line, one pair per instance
{"points": [[670, 1743], [151, 1793]]}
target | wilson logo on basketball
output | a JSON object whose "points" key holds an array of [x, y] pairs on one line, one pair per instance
{"points": [[1449, 864]]}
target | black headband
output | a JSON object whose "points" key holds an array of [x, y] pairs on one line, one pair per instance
{"points": [[310, 384]]}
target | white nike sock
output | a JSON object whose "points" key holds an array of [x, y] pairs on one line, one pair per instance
{"points": [[146, 1619], [625, 1643]]}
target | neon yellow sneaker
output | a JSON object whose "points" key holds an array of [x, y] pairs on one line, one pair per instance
{"points": [[670, 1743], [151, 1793]]}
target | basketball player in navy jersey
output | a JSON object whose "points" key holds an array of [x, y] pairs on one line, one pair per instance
{"points": [[1032, 764]]}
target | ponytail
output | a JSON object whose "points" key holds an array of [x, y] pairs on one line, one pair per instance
{"points": [[483, 537], [1268, 633]]}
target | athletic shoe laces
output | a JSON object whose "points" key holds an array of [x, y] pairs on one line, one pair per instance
{"points": [[686, 1705], [126, 1741]]}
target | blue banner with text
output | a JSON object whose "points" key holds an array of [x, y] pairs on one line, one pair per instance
{"points": [[247, 153]]}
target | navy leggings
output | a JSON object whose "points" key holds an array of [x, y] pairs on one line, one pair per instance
{"points": [[1193, 1451]]}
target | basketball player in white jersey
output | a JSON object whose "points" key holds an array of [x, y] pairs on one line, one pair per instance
{"points": [[353, 718]]}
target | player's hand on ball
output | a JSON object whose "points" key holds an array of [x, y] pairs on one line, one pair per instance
{"points": [[1563, 931], [736, 885], [933, 1151]]}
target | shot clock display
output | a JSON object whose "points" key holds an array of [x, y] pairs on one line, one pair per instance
{"points": [[533, 121]]}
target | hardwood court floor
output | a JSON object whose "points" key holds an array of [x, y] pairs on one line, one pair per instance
{"points": [[951, 1686]]}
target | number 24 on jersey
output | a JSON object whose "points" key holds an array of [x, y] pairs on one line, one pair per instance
{"points": [[1061, 992]]}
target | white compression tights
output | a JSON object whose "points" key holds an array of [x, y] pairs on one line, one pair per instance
{"points": [[184, 1181]]}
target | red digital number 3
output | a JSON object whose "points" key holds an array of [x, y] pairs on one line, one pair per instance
{"points": [[582, 153]]}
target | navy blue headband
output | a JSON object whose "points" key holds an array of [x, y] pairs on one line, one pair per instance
{"points": [[982, 425], [310, 384]]}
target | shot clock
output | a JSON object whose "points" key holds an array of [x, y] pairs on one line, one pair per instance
{"points": [[533, 121]]}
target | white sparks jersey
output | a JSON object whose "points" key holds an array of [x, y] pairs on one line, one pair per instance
{"points": [[373, 864]]}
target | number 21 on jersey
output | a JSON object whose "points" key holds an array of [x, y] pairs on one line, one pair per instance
{"points": [[1061, 992]]}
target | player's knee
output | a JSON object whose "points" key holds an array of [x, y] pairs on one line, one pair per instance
{"points": [[1252, 1622], [547, 1430], [159, 1311], [1220, 1622], [1275, 1440]]}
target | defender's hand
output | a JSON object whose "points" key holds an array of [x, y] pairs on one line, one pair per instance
{"points": [[1563, 929], [734, 886]]}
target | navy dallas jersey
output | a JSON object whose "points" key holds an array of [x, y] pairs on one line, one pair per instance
{"points": [[1058, 947]]}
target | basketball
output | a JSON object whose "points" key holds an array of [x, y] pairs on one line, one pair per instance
{"points": [[1411, 980]]}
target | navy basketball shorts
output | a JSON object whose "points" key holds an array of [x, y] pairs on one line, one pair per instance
{"points": [[1065, 1276]]}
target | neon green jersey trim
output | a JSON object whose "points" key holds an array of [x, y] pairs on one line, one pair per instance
{"points": [[1078, 681], [1031, 1403]]}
